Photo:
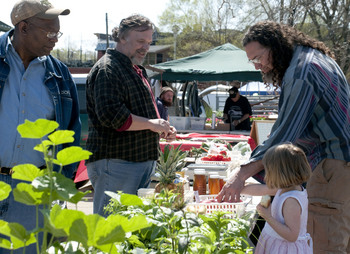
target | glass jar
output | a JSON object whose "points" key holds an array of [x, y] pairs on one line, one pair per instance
{"points": [[222, 181], [200, 181], [214, 184]]}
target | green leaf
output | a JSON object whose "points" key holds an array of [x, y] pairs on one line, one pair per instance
{"points": [[44, 146], [135, 241], [62, 137], [4, 243], [5, 190], [37, 129], [135, 223], [27, 194], [26, 172], [64, 218], [17, 233], [78, 197], [129, 199], [50, 227], [61, 187], [71, 155], [106, 231], [79, 232]]}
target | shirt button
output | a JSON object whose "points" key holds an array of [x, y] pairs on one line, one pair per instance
{"points": [[22, 111], [23, 94]]}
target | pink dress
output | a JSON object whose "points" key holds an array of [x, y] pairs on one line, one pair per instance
{"points": [[271, 243]]}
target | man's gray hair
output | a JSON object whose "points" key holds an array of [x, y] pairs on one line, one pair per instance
{"points": [[135, 22]]}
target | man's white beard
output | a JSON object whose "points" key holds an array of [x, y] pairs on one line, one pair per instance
{"points": [[137, 61]]}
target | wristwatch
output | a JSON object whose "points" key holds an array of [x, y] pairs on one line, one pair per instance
{"points": [[239, 120]]}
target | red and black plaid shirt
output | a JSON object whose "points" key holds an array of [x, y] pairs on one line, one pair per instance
{"points": [[113, 92]]}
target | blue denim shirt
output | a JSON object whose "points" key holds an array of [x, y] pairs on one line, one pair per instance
{"points": [[63, 91]]}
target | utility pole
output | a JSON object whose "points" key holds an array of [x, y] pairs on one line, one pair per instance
{"points": [[175, 29], [107, 37]]}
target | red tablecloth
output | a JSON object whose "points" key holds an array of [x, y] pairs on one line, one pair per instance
{"points": [[186, 145]]}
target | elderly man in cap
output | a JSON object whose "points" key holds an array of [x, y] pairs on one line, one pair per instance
{"points": [[33, 85], [164, 101]]}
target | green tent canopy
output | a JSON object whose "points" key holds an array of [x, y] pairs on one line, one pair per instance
{"points": [[223, 63]]}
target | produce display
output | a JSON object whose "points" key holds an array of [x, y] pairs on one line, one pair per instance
{"points": [[217, 153], [217, 157]]}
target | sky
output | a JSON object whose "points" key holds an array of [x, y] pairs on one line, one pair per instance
{"points": [[89, 16]]}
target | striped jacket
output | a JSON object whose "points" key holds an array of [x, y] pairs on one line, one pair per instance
{"points": [[314, 109]]}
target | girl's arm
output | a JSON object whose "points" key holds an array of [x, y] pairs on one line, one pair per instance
{"points": [[291, 211], [258, 190]]}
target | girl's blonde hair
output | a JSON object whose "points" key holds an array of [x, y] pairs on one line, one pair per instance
{"points": [[285, 165]]}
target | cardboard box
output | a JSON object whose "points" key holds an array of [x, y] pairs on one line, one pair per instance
{"points": [[223, 126]]}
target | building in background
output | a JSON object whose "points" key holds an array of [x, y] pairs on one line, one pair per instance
{"points": [[156, 53]]}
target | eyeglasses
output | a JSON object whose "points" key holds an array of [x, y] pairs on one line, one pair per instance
{"points": [[257, 60], [50, 35]]}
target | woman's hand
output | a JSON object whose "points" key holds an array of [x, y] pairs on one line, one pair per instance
{"points": [[232, 189], [231, 192]]}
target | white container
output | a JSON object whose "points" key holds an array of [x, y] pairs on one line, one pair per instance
{"points": [[213, 121], [197, 123], [180, 122], [145, 192]]}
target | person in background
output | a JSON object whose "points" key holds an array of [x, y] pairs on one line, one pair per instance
{"points": [[124, 123], [237, 110], [34, 85], [164, 101], [314, 110], [286, 170]]}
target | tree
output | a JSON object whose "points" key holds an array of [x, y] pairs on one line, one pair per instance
{"points": [[203, 25], [206, 24], [330, 21]]}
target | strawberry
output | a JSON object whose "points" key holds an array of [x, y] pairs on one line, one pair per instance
{"points": [[223, 153]]}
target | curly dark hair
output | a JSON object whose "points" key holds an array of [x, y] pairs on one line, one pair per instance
{"points": [[281, 39], [133, 22]]}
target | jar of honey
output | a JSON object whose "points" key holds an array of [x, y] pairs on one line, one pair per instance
{"points": [[214, 184], [200, 181], [222, 181]]}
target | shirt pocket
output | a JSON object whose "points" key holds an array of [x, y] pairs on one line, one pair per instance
{"points": [[67, 106]]}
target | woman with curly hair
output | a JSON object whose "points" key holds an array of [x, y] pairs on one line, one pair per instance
{"points": [[314, 114]]}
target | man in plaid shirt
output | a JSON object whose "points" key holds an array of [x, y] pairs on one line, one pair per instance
{"points": [[124, 124]]}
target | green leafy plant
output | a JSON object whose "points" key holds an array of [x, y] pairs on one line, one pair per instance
{"points": [[174, 230], [42, 187], [134, 226]]}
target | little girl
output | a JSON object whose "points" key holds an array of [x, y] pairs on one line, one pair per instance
{"points": [[286, 169]]}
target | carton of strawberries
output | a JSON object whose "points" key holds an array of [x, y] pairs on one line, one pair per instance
{"points": [[216, 153], [222, 156]]}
